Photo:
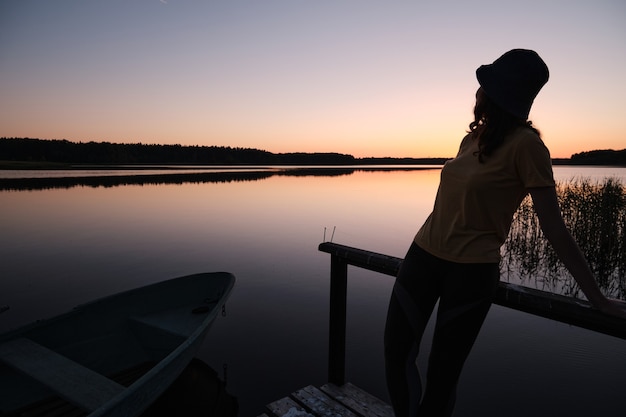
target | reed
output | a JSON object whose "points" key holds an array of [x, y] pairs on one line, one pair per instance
{"points": [[595, 213]]}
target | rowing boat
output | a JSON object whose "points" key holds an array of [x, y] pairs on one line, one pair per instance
{"points": [[79, 356]]}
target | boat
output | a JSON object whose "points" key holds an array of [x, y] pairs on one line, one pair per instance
{"points": [[113, 356]]}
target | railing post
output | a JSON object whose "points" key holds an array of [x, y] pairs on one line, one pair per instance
{"points": [[337, 325]]}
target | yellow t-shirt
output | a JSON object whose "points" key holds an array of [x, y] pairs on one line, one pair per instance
{"points": [[475, 202]]}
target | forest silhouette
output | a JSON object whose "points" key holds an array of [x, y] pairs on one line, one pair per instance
{"points": [[47, 151]]}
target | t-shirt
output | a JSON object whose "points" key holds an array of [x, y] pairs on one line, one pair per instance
{"points": [[476, 201]]}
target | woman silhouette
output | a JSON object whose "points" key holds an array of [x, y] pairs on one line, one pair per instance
{"points": [[454, 258]]}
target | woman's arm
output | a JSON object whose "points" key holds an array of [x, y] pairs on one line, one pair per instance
{"points": [[549, 214]]}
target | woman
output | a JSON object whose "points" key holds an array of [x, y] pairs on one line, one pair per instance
{"points": [[454, 258]]}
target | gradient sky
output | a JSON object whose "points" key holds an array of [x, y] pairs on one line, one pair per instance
{"points": [[368, 78]]}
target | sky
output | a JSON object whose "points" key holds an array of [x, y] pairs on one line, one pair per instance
{"points": [[361, 77]]}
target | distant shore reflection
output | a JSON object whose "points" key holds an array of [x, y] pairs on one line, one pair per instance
{"points": [[226, 176]]}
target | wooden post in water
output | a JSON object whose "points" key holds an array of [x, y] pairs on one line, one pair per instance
{"points": [[337, 325]]}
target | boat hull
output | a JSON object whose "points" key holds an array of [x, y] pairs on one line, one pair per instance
{"points": [[163, 323]]}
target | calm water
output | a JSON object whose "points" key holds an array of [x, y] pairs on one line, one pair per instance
{"points": [[65, 243]]}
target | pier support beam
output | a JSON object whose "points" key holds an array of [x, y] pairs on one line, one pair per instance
{"points": [[337, 325]]}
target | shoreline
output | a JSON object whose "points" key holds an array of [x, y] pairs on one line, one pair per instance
{"points": [[368, 162]]}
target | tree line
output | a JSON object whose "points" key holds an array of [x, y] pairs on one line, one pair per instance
{"points": [[65, 152], [600, 157]]}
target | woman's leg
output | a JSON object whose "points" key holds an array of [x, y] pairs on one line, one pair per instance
{"points": [[467, 294], [412, 301]]}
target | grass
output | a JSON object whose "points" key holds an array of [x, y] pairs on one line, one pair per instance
{"points": [[595, 213]]}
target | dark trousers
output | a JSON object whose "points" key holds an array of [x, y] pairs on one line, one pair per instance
{"points": [[465, 293]]}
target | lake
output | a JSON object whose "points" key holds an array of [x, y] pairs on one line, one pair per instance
{"points": [[67, 241]]}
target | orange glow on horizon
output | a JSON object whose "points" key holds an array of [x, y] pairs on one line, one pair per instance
{"points": [[377, 81]]}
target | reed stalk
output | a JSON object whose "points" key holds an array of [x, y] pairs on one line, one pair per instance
{"points": [[595, 213]]}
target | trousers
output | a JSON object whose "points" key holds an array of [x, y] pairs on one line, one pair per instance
{"points": [[465, 293]]}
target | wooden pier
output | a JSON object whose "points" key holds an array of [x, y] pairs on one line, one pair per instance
{"points": [[338, 398], [329, 400]]}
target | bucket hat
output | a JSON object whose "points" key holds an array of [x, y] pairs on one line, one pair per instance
{"points": [[514, 80]]}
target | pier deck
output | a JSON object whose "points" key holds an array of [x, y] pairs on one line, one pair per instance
{"points": [[329, 400]]}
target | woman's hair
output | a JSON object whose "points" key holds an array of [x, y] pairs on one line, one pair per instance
{"points": [[491, 125]]}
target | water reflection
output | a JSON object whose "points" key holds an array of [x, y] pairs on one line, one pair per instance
{"points": [[115, 179], [197, 392], [63, 246]]}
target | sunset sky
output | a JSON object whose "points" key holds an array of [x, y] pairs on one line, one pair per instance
{"points": [[367, 78]]}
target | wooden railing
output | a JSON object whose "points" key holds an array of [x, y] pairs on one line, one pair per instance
{"points": [[541, 303]]}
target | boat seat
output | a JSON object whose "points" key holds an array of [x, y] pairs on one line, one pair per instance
{"points": [[77, 384], [180, 322]]}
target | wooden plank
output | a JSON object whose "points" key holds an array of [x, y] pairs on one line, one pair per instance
{"points": [[361, 402], [56, 406], [176, 321], [77, 384], [560, 308], [321, 404], [287, 407], [385, 264]]}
